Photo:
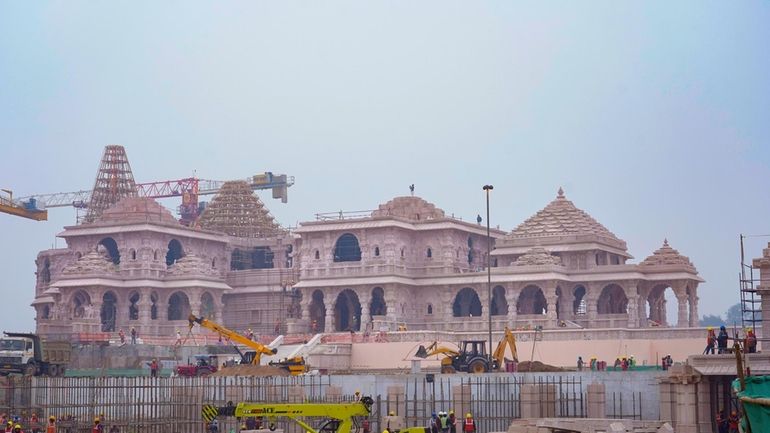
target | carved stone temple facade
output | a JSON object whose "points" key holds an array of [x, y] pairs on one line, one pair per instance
{"points": [[405, 263]]}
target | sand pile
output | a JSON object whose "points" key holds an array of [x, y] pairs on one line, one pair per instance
{"points": [[251, 370], [537, 366]]}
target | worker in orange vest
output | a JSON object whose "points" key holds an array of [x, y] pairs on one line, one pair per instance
{"points": [[732, 422], [469, 425], [51, 427], [17, 429]]}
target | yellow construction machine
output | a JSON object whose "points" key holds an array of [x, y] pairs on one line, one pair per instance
{"points": [[27, 209], [338, 417], [471, 356], [295, 365]]}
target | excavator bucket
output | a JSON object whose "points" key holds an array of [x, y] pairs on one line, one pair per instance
{"points": [[422, 352]]}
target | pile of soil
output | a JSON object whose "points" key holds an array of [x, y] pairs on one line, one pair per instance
{"points": [[251, 370], [537, 366]]}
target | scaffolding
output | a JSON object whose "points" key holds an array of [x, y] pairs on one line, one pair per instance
{"points": [[751, 308], [114, 181]]}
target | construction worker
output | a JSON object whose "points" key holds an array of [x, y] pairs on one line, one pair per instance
{"points": [[721, 423], [469, 425], [732, 422], [443, 422], [51, 427], [133, 335], [452, 422], [365, 426], [580, 363], [711, 341], [751, 341], [122, 336], [9, 426], [154, 367], [34, 423], [722, 340], [17, 429], [593, 363], [434, 423], [97, 428]]}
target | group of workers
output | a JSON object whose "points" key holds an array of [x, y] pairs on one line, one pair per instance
{"points": [[720, 341], [33, 425], [446, 422], [727, 424]]}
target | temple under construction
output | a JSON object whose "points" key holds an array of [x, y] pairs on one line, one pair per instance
{"points": [[130, 263]]}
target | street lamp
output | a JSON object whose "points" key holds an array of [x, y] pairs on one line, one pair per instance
{"points": [[488, 188]]}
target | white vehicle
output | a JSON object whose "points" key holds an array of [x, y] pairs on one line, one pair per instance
{"points": [[26, 354]]}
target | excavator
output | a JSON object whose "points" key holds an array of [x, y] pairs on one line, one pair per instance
{"points": [[295, 365], [471, 356], [338, 417]]}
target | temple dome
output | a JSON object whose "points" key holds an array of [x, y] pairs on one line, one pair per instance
{"points": [[562, 218], [236, 211], [409, 207], [667, 256], [136, 209]]}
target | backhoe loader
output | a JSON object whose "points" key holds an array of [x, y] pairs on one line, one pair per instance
{"points": [[471, 356]]}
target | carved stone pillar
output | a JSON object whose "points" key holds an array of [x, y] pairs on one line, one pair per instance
{"points": [[630, 289], [329, 320], [364, 298], [444, 310], [592, 297], [693, 300], [304, 304], [512, 297], [682, 319], [549, 290]]}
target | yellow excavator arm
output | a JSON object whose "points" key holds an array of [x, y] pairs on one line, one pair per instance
{"points": [[435, 349], [508, 340], [233, 336]]}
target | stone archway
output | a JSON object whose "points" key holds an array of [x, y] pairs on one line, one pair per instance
{"points": [[109, 312], [378, 307], [317, 310], [579, 307], [347, 312], [657, 304], [531, 301], [612, 300], [466, 303], [81, 304], [178, 306], [499, 303], [133, 306]]}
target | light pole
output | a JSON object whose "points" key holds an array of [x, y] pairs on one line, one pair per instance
{"points": [[488, 188]]}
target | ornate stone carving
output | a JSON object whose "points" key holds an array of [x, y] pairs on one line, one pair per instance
{"points": [[91, 263], [537, 256], [191, 265]]}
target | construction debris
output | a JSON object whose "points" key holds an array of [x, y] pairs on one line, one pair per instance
{"points": [[537, 366]]}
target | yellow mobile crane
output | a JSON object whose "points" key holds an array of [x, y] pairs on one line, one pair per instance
{"points": [[471, 357], [27, 209], [295, 366], [339, 417]]}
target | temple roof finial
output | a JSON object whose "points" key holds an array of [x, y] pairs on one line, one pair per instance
{"points": [[665, 242], [560, 194]]}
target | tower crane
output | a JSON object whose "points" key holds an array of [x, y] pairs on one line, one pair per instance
{"points": [[189, 189], [26, 209]]}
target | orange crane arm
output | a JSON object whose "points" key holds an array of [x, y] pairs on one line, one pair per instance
{"points": [[260, 348]]}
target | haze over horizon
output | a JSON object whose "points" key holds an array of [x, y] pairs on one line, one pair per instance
{"points": [[652, 116]]}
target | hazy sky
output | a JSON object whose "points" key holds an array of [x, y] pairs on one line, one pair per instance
{"points": [[653, 116]]}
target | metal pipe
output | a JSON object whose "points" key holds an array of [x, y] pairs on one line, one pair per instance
{"points": [[488, 188]]}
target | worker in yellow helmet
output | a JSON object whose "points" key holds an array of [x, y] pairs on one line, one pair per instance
{"points": [[711, 341], [452, 421], [469, 425], [17, 429], [98, 427], [51, 427]]}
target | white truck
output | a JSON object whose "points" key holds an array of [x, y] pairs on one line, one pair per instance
{"points": [[27, 354]]}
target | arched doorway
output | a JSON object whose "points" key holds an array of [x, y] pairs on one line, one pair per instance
{"points": [[174, 252], [208, 309], [531, 301], [133, 306], [578, 303], [109, 312], [612, 300], [317, 312], [499, 303], [378, 307], [178, 307], [154, 306], [467, 303], [347, 312], [109, 246], [661, 304], [80, 302], [347, 249]]}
